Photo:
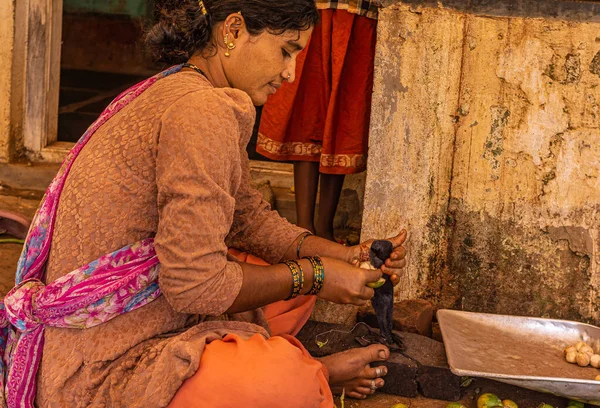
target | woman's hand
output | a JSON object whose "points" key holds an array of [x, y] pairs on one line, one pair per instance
{"points": [[347, 284], [393, 265]]}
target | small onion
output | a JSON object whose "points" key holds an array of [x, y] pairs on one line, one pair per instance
{"points": [[587, 350], [570, 349], [571, 356], [583, 359], [595, 361]]}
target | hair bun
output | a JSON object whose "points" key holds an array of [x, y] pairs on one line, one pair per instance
{"points": [[179, 32], [185, 26]]}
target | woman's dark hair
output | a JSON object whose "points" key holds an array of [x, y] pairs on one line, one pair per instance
{"points": [[183, 28]]}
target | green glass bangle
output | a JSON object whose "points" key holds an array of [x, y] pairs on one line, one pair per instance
{"points": [[318, 273], [297, 278], [300, 244]]}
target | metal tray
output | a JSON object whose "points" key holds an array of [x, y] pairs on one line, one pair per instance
{"points": [[523, 351]]}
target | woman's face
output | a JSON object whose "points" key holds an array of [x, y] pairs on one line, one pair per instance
{"points": [[259, 64]]}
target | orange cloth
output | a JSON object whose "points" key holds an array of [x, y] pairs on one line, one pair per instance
{"points": [[259, 372], [256, 373], [324, 115]]}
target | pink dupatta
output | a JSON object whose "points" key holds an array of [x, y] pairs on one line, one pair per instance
{"points": [[114, 284]]}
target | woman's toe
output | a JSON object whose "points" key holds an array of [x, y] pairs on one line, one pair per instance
{"points": [[374, 372], [372, 383], [356, 395]]}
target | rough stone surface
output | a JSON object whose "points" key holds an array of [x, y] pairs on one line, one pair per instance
{"points": [[412, 316], [328, 312], [6, 48], [422, 366], [436, 332], [485, 144], [434, 378], [401, 376], [323, 339]]}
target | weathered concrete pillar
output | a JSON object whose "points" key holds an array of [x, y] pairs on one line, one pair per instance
{"points": [[417, 80], [486, 144], [6, 49]]}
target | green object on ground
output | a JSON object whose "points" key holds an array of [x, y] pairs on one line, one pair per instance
{"points": [[575, 404], [509, 404], [542, 405], [488, 400], [455, 405], [466, 381], [321, 344], [11, 241]]}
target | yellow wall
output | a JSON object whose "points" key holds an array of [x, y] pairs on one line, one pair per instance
{"points": [[6, 47], [485, 144]]}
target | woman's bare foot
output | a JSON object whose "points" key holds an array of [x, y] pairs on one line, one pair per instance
{"points": [[350, 370]]}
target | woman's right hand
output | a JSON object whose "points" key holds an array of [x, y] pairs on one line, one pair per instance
{"points": [[347, 284]]}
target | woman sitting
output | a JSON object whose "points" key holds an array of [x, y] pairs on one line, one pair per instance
{"points": [[127, 295]]}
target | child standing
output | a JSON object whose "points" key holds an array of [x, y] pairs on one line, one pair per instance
{"points": [[321, 120]]}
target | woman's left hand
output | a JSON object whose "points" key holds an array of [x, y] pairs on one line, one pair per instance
{"points": [[393, 265]]}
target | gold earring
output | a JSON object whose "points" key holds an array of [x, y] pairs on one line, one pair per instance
{"points": [[229, 45]]}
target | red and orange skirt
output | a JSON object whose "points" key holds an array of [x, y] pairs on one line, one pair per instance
{"points": [[324, 115]]}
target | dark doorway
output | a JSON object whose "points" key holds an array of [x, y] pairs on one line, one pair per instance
{"points": [[102, 55]]}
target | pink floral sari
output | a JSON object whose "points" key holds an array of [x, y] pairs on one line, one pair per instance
{"points": [[114, 284]]}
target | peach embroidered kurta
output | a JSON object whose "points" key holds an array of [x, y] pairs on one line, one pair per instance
{"points": [[172, 164]]}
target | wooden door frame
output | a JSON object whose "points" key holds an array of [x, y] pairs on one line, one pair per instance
{"points": [[36, 80], [36, 88]]}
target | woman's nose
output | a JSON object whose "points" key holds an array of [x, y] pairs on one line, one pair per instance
{"points": [[290, 73]]}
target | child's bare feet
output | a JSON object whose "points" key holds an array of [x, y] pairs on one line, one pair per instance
{"points": [[350, 370]]}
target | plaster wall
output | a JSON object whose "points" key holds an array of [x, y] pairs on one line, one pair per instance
{"points": [[485, 144], [6, 48]]}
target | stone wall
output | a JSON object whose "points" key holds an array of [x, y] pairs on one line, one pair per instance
{"points": [[485, 144], [6, 48]]}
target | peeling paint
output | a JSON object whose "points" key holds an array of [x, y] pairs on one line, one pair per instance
{"points": [[579, 239], [493, 144], [595, 64], [509, 109], [572, 69]]}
